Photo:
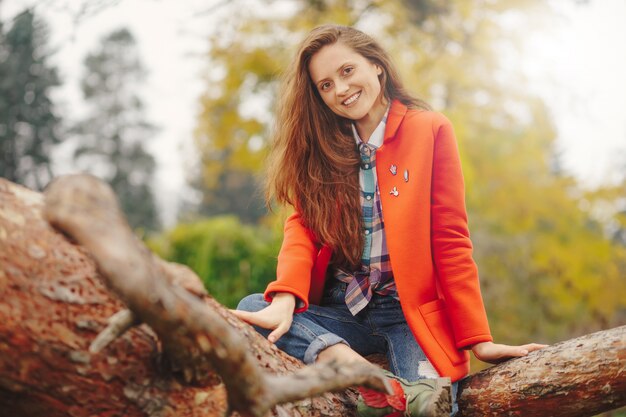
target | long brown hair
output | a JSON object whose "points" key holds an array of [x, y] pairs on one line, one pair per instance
{"points": [[314, 163]]}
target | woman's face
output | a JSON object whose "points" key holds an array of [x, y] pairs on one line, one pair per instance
{"points": [[347, 82]]}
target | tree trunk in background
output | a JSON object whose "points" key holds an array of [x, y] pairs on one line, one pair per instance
{"points": [[53, 304]]}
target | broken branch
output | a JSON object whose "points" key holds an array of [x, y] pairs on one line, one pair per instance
{"points": [[194, 336]]}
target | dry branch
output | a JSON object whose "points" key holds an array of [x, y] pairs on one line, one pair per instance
{"points": [[119, 323], [194, 336]]}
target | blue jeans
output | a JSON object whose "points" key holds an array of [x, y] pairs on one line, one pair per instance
{"points": [[378, 328]]}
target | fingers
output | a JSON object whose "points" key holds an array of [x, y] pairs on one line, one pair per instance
{"points": [[531, 347], [278, 332], [262, 319], [268, 318], [253, 318], [496, 353], [243, 315], [503, 352], [518, 351], [524, 350]]}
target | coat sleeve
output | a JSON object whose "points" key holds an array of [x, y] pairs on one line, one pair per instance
{"points": [[295, 262], [451, 245]]}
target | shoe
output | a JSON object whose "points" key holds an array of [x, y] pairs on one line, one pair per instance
{"points": [[421, 398]]}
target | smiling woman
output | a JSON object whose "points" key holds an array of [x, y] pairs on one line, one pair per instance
{"points": [[349, 283], [348, 83]]}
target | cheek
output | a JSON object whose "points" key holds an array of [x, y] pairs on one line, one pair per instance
{"points": [[331, 104], [378, 88], [377, 81], [327, 99]]}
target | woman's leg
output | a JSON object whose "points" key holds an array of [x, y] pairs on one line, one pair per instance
{"points": [[406, 358], [322, 333], [313, 335], [340, 353], [405, 351]]}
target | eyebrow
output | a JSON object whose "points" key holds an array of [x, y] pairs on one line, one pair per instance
{"points": [[342, 66]]}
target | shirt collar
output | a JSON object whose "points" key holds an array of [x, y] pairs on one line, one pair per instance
{"points": [[376, 139]]}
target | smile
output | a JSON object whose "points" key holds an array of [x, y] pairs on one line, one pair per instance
{"points": [[351, 99]]}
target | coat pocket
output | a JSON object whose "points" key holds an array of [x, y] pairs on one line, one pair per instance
{"points": [[438, 322]]}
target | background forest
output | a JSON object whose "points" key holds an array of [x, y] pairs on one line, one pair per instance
{"points": [[551, 252]]}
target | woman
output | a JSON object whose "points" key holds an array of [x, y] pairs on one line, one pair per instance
{"points": [[377, 256]]}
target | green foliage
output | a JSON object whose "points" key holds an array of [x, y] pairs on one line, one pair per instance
{"points": [[232, 259], [112, 136], [28, 124]]}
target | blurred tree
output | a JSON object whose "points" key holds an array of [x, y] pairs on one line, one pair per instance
{"points": [[112, 135], [548, 269], [442, 48], [28, 124], [608, 205]]}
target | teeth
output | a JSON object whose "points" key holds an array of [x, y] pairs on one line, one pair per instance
{"points": [[351, 99]]}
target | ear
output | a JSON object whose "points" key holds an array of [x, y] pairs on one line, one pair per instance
{"points": [[379, 70]]}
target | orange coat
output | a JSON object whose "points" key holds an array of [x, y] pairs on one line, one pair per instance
{"points": [[427, 238]]}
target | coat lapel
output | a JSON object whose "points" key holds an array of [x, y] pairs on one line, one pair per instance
{"points": [[396, 114]]}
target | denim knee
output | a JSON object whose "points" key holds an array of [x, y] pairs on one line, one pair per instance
{"points": [[320, 343], [252, 303]]}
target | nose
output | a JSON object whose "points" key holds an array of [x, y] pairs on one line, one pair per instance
{"points": [[341, 88]]}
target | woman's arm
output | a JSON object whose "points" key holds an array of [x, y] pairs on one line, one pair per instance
{"points": [[295, 261], [450, 241], [495, 353]]}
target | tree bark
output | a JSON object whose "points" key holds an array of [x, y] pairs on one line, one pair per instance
{"points": [[54, 304], [579, 377], [195, 338]]}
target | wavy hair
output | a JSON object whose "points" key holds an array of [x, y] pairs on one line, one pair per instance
{"points": [[313, 163]]}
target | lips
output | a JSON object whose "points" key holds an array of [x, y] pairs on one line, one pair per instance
{"points": [[354, 97]]}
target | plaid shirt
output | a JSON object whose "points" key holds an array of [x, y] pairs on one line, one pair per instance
{"points": [[375, 275]]}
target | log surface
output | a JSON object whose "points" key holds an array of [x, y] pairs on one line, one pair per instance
{"points": [[197, 340], [53, 304], [579, 377]]}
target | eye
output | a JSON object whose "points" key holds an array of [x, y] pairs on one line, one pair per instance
{"points": [[348, 70], [325, 85]]}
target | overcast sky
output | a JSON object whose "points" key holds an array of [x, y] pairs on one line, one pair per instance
{"points": [[578, 66]]}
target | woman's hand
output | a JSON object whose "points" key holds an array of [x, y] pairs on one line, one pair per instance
{"points": [[277, 316], [495, 353]]}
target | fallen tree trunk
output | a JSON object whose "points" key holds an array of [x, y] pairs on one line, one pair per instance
{"points": [[53, 305], [580, 377]]}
